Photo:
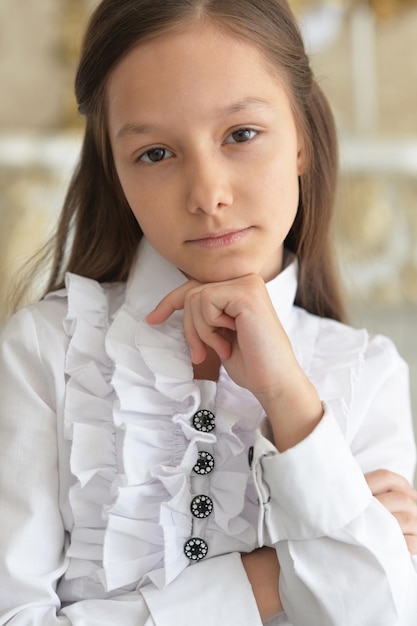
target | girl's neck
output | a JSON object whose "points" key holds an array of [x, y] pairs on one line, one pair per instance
{"points": [[208, 369]]}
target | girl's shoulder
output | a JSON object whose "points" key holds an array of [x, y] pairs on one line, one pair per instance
{"points": [[47, 322], [340, 338], [332, 347]]}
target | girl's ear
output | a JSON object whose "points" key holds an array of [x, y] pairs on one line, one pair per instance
{"points": [[301, 159]]}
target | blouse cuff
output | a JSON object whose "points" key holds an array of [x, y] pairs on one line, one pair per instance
{"points": [[310, 490], [217, 587]]}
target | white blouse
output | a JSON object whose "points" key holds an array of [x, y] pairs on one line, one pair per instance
{"points": [[128, 490]]}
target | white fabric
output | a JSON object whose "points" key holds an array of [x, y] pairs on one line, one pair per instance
{"points": [[96, 470]]}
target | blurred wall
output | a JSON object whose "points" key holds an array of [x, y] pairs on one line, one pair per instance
{"points": [[39, 124], [39, 43]]}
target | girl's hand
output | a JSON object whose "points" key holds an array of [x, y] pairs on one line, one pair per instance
{"points": [[237, 320], [399, 497]]}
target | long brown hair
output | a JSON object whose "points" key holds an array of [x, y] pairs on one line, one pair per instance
{"points": [[97, 235]]}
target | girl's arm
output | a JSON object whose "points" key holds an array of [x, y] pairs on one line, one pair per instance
{"points": [[342, 555], [262, 566], [262, 569]]}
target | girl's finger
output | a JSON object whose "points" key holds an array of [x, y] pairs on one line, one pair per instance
{"points": [[215, 317], [197, 346], [407, 522], [202, 319], [203, 324], [383, 480], [411, 541], [404, 509], [398, 501], [174, 301]]}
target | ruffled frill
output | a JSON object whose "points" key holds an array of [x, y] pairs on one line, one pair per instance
{"points": [[149, 521], [236, 505], [129, 406], [88, 424]]}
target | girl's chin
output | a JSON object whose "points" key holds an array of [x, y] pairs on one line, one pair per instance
{"points": [[228, 272], [220, 276]]}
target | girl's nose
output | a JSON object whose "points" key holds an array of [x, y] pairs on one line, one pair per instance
{"points": [[208, 186]]}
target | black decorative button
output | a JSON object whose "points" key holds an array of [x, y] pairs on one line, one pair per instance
{"points": [[250, 457], [205, 463], [195, 549], [201, 506], [203, 420]]}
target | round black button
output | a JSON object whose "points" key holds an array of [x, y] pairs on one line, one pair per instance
{"points": [[201, 506], [203, 420], [205, 463], [195, 549]]}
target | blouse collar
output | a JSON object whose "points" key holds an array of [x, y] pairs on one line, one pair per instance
{"points": [[152, 277]]}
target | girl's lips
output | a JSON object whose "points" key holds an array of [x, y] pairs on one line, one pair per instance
{"points": [[221, 240]]}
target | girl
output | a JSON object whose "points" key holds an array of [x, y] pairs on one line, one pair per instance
{"points": [[182, 442]]}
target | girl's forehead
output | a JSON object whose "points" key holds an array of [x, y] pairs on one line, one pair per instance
{"points": [[200, 52], [189, 78]]}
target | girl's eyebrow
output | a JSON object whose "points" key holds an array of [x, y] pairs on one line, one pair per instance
{"points": [[231, 109], [135, 129], [243, 105]]}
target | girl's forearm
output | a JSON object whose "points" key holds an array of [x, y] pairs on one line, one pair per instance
{"points": [[262, 569]]}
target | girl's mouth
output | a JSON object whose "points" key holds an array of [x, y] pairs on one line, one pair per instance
{"points": [[221, 239]]}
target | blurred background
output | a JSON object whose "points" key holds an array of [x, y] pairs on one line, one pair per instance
{"points": [[364, 53]]}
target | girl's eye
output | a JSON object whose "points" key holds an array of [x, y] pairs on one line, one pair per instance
{"points": [[241, 135], [155, 155]]}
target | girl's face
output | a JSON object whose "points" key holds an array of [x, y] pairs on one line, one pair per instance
{"points": [[207, 152]]}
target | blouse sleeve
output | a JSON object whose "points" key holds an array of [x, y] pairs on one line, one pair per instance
{"points": [[200, 594], [31, 528], [343, 556], [32, 536]]}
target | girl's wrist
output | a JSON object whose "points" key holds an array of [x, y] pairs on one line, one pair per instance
{"points": [[293, 413]]}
